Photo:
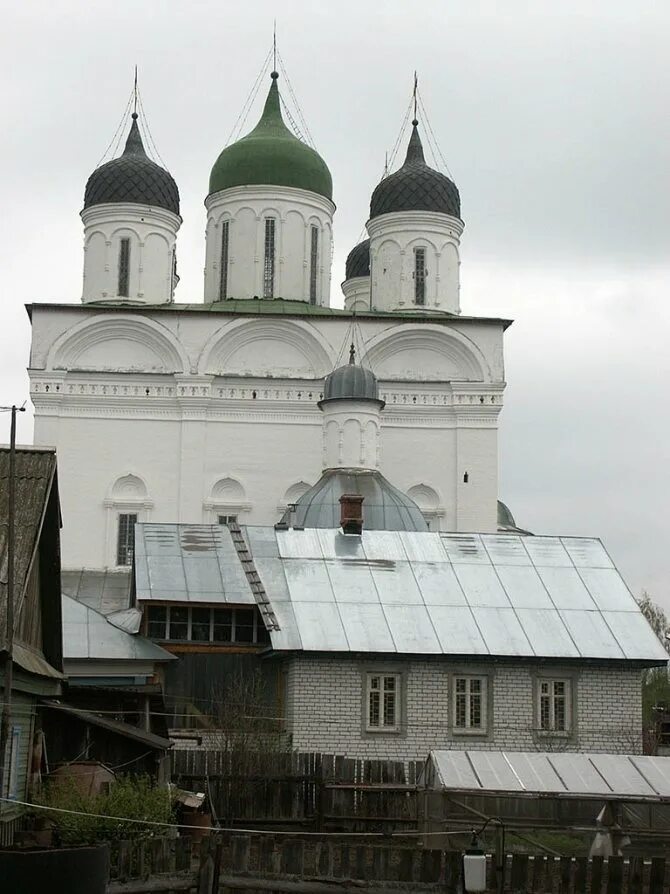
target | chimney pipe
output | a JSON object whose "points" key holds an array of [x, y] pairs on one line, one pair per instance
{"points": [[351, 513]]}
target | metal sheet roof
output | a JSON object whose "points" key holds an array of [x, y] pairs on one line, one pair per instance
{"points": [[88, 634], [188, 563], [157, 743], [105, 591], [459, 594], [600, 776]]}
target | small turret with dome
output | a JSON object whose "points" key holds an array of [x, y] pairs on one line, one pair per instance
{"points": [[269, 215], [131, 218], [351, 409], [356, 285]]}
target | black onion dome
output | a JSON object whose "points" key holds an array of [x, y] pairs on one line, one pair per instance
{"points": [[351, 382], [385, 508], [415, 186], [358, 260], [132, 177]]}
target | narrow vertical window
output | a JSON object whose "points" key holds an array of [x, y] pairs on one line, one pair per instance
{"points": [[419, 275], [125, 543], [313, 264], [383, 705], [124, 268], [470, 704], [225, 237], [554, 705], [269, 259]]}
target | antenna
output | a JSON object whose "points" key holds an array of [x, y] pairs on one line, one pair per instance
{"points": [[386, 164], [274, 46], [416, 87], [135, 95]]}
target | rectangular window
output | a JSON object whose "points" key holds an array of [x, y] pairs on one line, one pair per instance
{"points": [[313, 264], [223, 282], [383, 702], [200, 623], [125, 542], [123, 290], [178, 623], [244, 625], [269, 259], [469, 700], [227, 519], [554, 705], [419, 275], [157, 626], [222, 629]]}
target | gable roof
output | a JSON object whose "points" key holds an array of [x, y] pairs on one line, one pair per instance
{"points": [[35, 470]]}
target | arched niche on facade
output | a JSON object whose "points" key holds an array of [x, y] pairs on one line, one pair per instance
{"points": [[127, 503], [118, 343], [276, 348], [429, 502], [429, 352], [226, 501]]}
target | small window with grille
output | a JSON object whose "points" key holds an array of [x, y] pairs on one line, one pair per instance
{"points": [[123, 290], [125, 541], [419, 275], [269, 259], [225, 242], [227, 519], [157, 622], [469, 696], [313, 264], [383, 702], [554, 705]]}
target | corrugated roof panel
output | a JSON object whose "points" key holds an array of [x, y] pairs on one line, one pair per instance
{"points": [[308, 581], [320, 627], [457, 630], [578, 774], [502, 631], [547, 552], [421, 547], [506, 549], [365, 627], [634, 635], [523, 586], [591, 634], [481, 585], [438, 583], [352, 582], [586, 552], [396, 585], [656, 771], [455, 769], [566, 588], [412, 629], [465, 549], [494, 771], [547, 633], [609, 592], [622, 776], [535, 772]]}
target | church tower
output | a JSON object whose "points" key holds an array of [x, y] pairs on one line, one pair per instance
{"points": [[131, 218], [414, 228], [269, 216]]}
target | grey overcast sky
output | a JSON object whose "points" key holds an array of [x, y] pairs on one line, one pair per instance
{"points": [[553, 118]]}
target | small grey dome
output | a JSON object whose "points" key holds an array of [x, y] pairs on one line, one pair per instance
{"points": [[385, 508], [505, 517], [358, 260], [415, 187], [132, 177], [351, 382]]}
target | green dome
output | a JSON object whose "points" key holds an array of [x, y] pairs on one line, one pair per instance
{"points": [[271, 155]]}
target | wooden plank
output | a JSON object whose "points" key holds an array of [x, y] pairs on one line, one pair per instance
{"points": [[565, 873], [292, 857], [431, 866], [597, 875], [657, 875], [519, 873], [635, 875], [240, 848], [124, 860], [453, 871], [614, 875], [581, 874]]}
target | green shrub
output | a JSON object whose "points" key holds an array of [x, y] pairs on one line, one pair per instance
{"points": [[132, 798]]}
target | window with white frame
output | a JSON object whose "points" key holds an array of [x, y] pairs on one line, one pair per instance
{"points": [[554, 705], [469, 698], [125, 538], [383, 702]]}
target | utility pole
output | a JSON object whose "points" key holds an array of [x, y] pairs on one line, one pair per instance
{"points": [[5, 725]]}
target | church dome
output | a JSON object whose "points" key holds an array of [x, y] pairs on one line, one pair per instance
{"points": [[385, 508], [271, 156], [358, 260], [132, 177], [351, 382], [415, 186]]}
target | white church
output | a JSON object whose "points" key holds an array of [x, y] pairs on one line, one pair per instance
{"points": [[201, 411]]}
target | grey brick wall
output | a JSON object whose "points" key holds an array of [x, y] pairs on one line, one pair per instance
{"points": [[325, 701]]}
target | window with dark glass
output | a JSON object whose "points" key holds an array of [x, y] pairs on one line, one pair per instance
{"points": [[419, 275], [178, 623], [244, 625], [225, 239], [227, 519], [313, 264], [269, 259], [125, 540], [157, 627], [124, 268], [222, 628], [200, 618]]}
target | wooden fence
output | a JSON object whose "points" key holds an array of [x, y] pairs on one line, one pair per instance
{"points": [[302, 790], [338, 864]]}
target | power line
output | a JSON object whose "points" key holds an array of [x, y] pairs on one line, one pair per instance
{"points": [[119, 129], [244, 112]]}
